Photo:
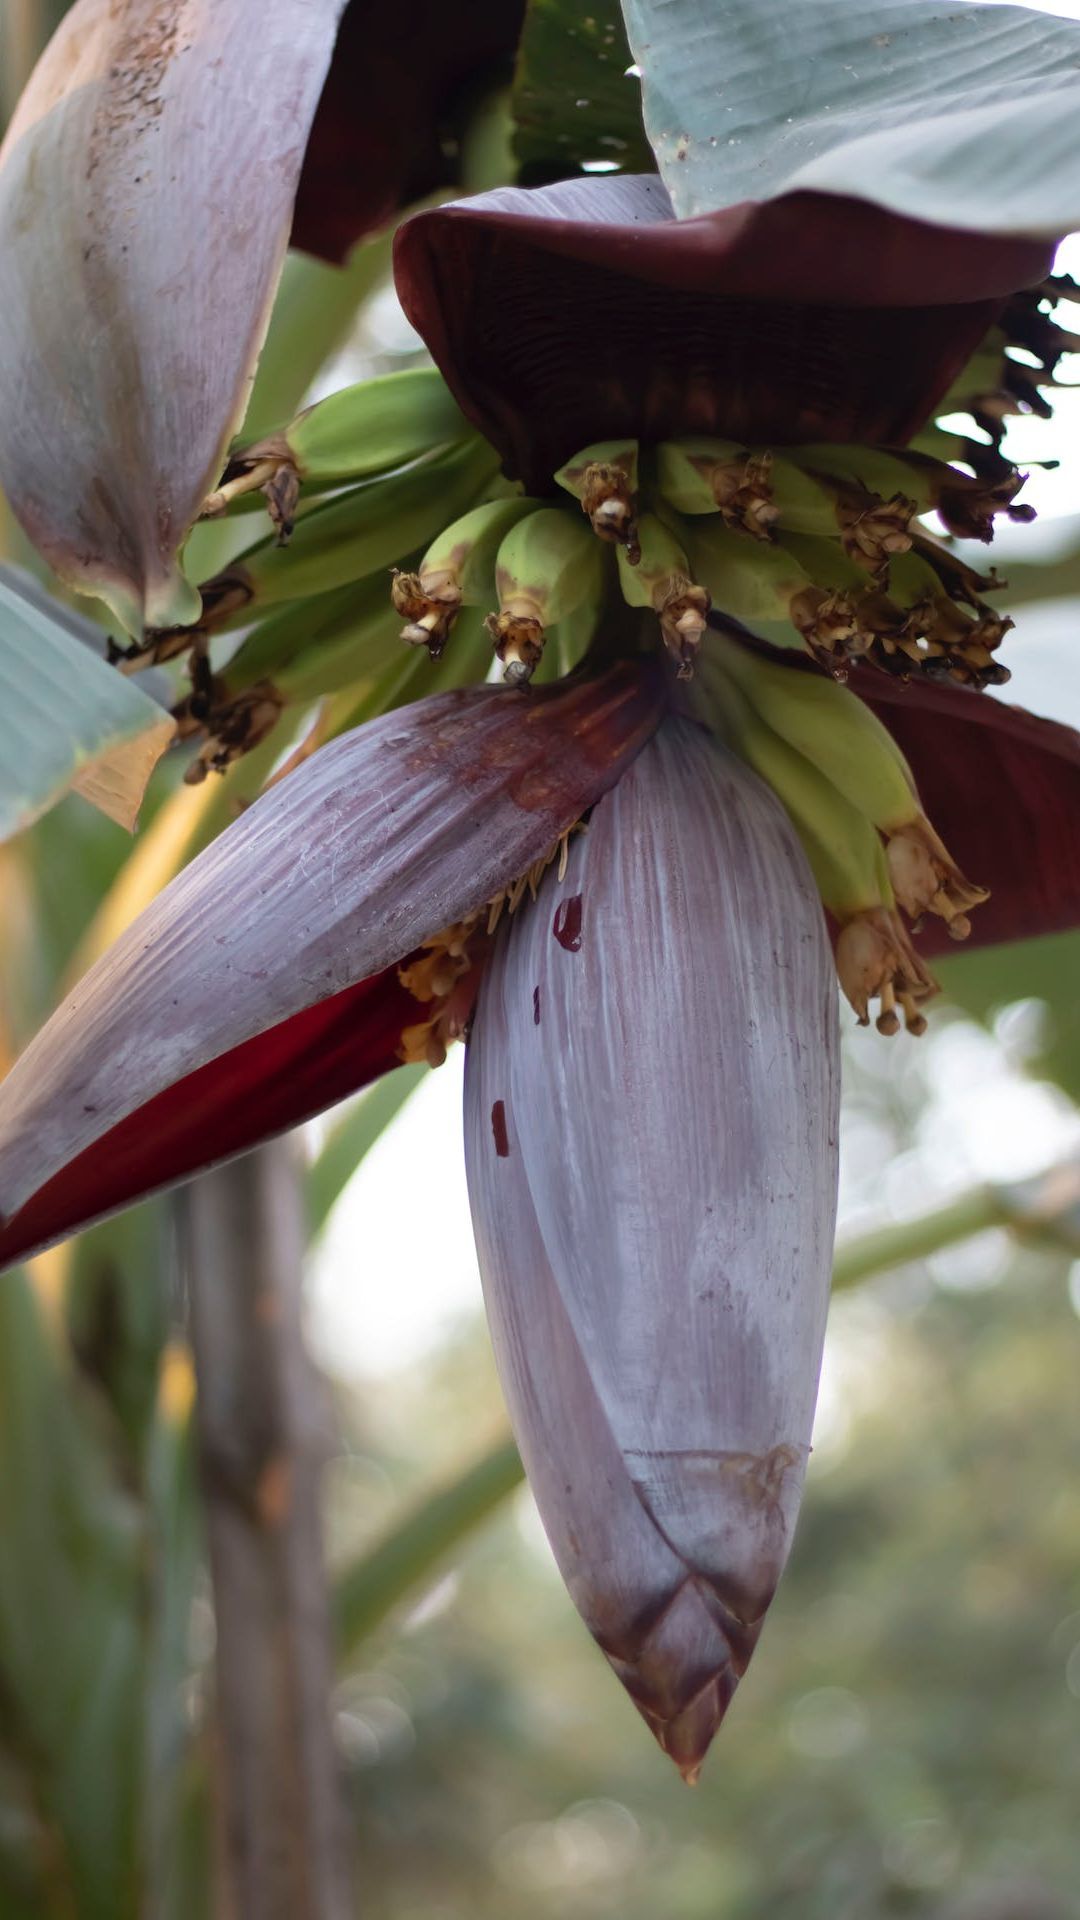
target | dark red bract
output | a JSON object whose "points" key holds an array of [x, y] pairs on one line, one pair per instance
{"points": [[584, 311], [395, 97]]}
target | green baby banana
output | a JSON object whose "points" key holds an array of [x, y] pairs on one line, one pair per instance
{"points": [[359, 431], [457, 570], [371, 526], [548, 566], [604, 478], [661, 578]]}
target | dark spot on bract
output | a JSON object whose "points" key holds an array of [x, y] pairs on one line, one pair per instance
{"points": [[536, 1006], [498, 1128], [566, 925]]}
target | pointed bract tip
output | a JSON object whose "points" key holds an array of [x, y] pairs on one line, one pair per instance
{"points": [[682, 1677], [687, 1737]]}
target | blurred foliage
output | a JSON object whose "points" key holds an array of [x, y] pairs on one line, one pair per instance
{"points": [[1045, 971], [905, 1742]]}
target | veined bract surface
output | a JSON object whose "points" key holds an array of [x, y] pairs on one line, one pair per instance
{"points": [[651, 1132]]}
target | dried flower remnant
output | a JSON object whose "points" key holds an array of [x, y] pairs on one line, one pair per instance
{"points": [[546, 568], [604, 478], [876, 961], [743, 494], [872, 530], [445, 976], [926, 880]]}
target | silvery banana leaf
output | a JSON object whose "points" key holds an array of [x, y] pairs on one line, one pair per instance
{"points": [[260, 986], [586, 311], [651, 1136], [147, 184], [67, 720], [967, 116]]}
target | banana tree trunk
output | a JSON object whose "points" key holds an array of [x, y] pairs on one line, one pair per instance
{"points": [[261, 1433]]}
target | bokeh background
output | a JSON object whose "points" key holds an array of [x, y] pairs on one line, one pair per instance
{"points": [[907, 1739]]}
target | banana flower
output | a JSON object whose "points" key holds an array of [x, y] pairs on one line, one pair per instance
{"points": [[606, 884]]}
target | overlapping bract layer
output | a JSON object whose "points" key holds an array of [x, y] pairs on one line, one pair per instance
{"points": [[141, 236], [388, 834], [147, 184], [651, 1119], [587, 305]]}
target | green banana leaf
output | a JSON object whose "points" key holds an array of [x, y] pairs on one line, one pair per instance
{"points": [[67, 720], [71, 1652], [1047, 970], [175, 1836], [314, 307], [411, 1550], [968, 116], [574, 102]]}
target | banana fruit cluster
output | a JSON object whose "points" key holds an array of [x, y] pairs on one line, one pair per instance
{"points": [[852, 798], [821, 537], [753, 534], [838, 550], [825, 538]]}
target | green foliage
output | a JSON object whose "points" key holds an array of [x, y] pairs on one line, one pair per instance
{"points": [[350, 1137], [70, 1646], [314, 307], [573, 100], [410, 1552]]}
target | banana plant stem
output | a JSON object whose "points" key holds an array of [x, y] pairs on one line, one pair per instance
{"points": [[1047, 1206], [261, 1428]]}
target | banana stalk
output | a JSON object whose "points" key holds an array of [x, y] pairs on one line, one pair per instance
{"points": [[360, 431]]}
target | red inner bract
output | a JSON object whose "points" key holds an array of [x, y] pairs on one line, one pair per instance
{"points": [[378, 140], [270, 1083], [1002, 787]]}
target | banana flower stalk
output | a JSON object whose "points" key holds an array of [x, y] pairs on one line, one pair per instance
{"points": [[608, 884]]}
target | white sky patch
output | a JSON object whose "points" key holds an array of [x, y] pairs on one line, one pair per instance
{"points": [[396, 1270]]}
